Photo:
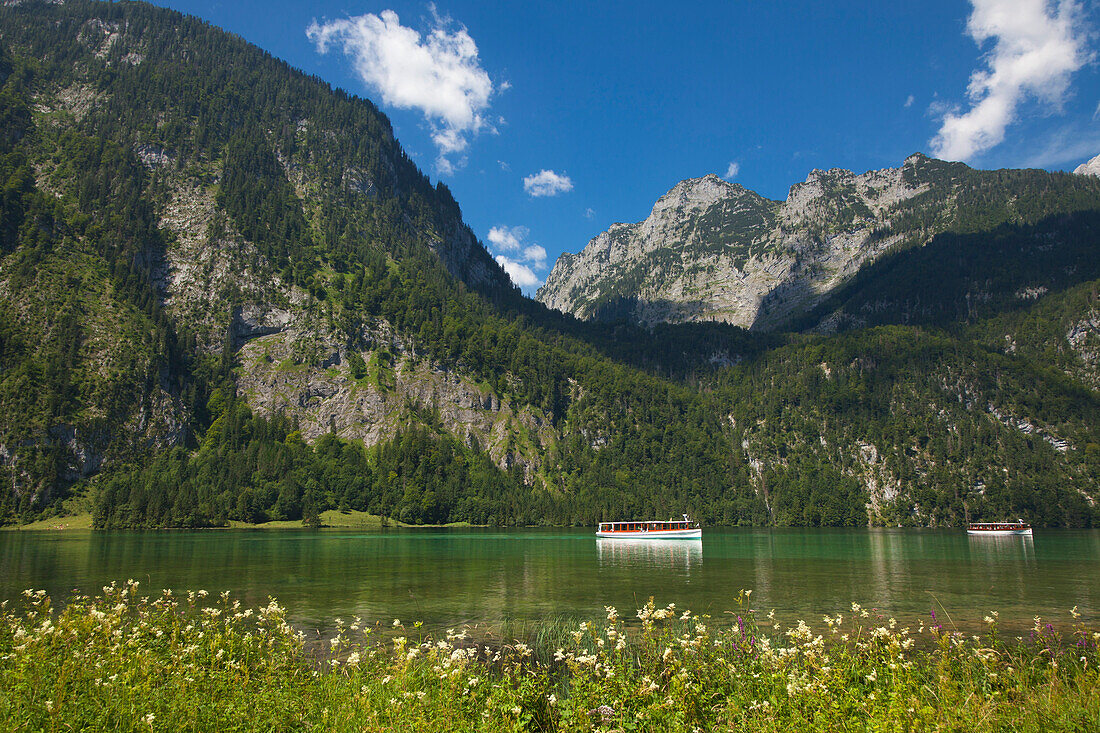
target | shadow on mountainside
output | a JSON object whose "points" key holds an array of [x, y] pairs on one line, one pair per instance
{"points": [[962, 277], [640, 310]]}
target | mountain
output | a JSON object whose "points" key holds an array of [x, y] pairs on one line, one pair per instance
{"points": [[1090, 167], [227, 294], [212, 260], [929, 427], [713, 250]]}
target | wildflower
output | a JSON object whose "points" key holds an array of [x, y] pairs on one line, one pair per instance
{"points": [[1073, 612], [396, 623], [353, 659], [552, 699], [612, 613], [873, 676]]}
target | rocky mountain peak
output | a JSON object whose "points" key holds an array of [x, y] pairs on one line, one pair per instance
{"points": [[714, 250], [1090, 168], [696, 194]]}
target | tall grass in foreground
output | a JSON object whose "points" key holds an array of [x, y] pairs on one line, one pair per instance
{"points": [[119, 661]]}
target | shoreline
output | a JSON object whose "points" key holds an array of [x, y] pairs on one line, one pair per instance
{"points": [[330, 519], [336, 519]]}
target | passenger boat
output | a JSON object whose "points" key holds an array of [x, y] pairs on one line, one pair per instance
{"points": [[999, 529], [673, 529]]}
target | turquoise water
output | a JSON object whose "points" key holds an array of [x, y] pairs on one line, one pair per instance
{"points": [[473, 576]]}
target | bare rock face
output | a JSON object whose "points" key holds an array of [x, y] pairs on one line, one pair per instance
{"points": [[1089, 168], [716, 251], [400, 389]]}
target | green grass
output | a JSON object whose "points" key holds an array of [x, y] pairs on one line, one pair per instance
{"points": [[330, 519], [123, 661], [336, 519], [81, 521]]}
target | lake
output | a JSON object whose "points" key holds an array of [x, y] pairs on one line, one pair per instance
{"points": [[447, 577]]}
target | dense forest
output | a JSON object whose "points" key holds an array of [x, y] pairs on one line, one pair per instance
{"points": [[120, 377]]}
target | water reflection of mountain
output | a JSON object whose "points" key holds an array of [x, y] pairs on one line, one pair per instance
{"points": [[664, 554]]}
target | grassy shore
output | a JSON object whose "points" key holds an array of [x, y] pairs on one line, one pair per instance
{"points": [[75, 521], [124, 661], [331, 519]]}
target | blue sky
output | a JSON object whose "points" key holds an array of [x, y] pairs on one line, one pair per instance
{"points": [[550, 121]]}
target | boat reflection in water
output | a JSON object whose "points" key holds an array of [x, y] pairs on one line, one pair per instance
{"points": [[1004, 547], [650, 553]]}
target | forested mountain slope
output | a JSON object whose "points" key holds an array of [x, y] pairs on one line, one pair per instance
{"points": [[226, 293], [929, 427], [208, 250]]}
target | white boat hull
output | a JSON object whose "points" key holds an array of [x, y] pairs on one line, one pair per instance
{"points": [[1000, 532], [660, 534]]}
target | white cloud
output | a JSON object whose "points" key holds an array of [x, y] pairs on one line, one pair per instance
{"points": [[589, 213], [909, 101], [438, 74], [520, 274], [529, 258], [547, 183], [536, 255], [732, 171], [1037, 46], [507, 239]]}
